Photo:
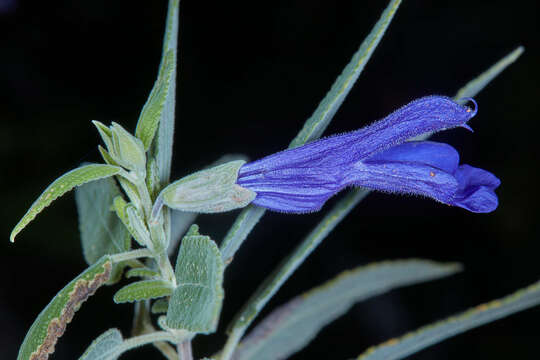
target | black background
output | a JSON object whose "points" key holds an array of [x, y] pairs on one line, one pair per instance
{"points": [[250, 73]]}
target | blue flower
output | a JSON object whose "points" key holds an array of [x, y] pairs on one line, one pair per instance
{"points": [[377, 157]]}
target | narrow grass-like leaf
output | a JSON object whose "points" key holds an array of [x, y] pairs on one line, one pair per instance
{"points": [[315, 125], [102, 232], [293, 325], [475, 86], [51, 323], [196, 302], [319, 121], [431, 334], [104, 346], [162, 147], [143, 290], [153, 109], [61, 186], [268, 288], [244, 223]]}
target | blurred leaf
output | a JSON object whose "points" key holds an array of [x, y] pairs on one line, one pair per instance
{"points": [[292, 326], [180, 222], [51, 323], [319, 121], [413, 342], [315, 125], [61, 186], [152, 111], [142, 272], [196, 302], [102, 232], [143, 290], [104, 346], [475, 86], [160, 306], [162, 147]]}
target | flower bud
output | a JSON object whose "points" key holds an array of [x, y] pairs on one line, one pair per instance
{"points": [[127, 150], [209, 191]]}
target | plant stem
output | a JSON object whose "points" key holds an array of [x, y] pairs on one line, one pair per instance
{"points": [[184, 350], [130, 255], [141, 340], [166, 267], [230, 346]]}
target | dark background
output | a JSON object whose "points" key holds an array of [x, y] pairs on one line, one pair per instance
{"points": [[250, 73]]}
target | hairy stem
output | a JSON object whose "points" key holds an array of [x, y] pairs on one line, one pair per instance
{"points": [[184, 350], [141, 340]]}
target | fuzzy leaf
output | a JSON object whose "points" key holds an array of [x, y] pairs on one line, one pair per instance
{"points": [[293, 325], [102, 232], [104, 346], [196, 302], [61, 186], [153, 109], [162, 146], [143, 290], [51, 323], [275, 280], [180, 222], [431, 334]]}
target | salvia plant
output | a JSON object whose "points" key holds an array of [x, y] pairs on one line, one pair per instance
{"points": [[132, 217]]}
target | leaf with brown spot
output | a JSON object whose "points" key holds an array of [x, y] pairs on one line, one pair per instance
{"points": [[51, 323]]}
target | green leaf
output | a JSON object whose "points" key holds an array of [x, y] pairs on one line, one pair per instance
{"points": [[479, 83], [52, 321], [315, 125], [143, 290], [319, 121], [61, 186], [153, 109], [104, 346], [293, 325], [106, 156], [239, 231], [160, 306], [180, 222], [428, 335], [142, 272], [152, 178], [196, 302], [273, 282], [102, 232], [162, 147], [208, 191]]}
